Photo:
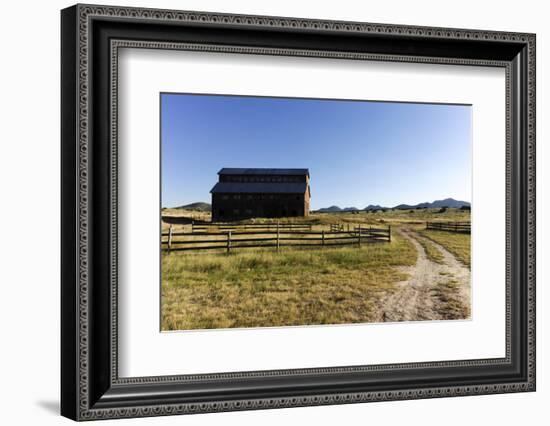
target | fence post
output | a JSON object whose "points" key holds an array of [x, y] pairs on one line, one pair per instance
{"points": [[228, 241], [359, 239], [192, 226], [323, 237], [170, 238], [277, 236], [389, 233]]}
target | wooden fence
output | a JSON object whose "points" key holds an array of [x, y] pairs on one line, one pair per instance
{"points": [[464, 227], [337, 227], [253, 238], [374, 234], [340, 227]]}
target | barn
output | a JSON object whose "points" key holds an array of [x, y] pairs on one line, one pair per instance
{"points": [[245, 193]]}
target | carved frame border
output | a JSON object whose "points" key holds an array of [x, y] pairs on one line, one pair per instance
{"points": [[85, 14]]}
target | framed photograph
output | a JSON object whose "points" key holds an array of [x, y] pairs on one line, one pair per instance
{"points": [[263, 212]]}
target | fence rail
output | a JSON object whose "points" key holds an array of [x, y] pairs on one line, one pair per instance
{"points": [[464, 227], [230, 240], [340, 227]]}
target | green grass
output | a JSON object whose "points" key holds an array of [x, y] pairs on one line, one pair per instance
{"points": [[458, 244], [260, 288]]}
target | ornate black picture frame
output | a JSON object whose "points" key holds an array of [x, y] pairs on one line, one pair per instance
{"points": [[91, 37]]}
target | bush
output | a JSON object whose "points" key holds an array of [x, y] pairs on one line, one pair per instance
{"points": [[442, 210]]}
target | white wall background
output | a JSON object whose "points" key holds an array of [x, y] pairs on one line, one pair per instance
{"points": [[29, 182]]}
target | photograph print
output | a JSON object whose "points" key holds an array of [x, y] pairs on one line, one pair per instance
{"points": [[280, 212]]}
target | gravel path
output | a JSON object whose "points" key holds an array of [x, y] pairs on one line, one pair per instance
{"points": [[433, 291]]}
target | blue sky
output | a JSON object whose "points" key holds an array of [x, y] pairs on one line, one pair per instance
{"points": [[358, 152]]}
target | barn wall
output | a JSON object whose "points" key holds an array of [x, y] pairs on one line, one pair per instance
{"points": [[241, 206]]}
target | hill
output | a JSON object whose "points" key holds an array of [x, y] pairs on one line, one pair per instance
{"points": [[331, 209], [374, 207], [199, 206]]}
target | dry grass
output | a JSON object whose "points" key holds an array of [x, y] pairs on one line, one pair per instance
{"points": [[431, 250], [451, 306], [186, 213], [260, 288], [419, 215], [323, 220], [458, 244]]}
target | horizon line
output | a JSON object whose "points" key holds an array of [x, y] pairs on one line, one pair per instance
{"points": [[348, 207]]}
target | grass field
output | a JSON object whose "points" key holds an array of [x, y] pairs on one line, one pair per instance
{"points": [[451, 307], [390, 217], [262, 287], [293, 287], [458, 244], [431, 251]]}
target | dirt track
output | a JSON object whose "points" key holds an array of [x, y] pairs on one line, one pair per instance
{"points": [[433, 291]]}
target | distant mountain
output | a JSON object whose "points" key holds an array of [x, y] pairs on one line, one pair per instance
{"points": [[374, 207], [331, 209], [447, 202], [408, 206], [200, 207]]}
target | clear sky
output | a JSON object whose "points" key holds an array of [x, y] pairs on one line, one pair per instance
{"points": [[357, 153]]}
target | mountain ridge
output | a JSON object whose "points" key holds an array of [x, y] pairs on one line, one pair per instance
{"points": [[198, 206], [446, 202]]}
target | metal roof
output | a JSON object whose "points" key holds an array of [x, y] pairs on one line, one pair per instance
{"points": [[260, 187], [276, 172]]}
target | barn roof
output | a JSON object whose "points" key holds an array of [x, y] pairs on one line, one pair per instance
{"points": [[260, 187], [260, 171]]}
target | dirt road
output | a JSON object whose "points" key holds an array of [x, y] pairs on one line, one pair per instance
{"points": [[433, 291]]}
